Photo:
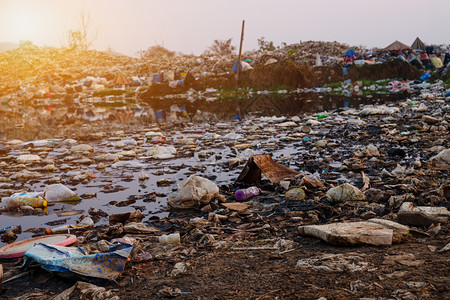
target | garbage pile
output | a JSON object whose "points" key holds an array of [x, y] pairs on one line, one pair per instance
{"points": [[374, 175], [36, 71]]}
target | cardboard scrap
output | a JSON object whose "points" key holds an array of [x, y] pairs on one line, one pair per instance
{"points": [[264, 163]]}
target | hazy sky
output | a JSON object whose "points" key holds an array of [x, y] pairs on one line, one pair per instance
{"points": [[190, 26]]}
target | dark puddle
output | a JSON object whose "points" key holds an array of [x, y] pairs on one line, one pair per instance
{"points": [[118, 189]]}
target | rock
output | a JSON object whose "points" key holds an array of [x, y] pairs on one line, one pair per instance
{"points": [[9, 236], [132, 216], [445, 248], [82, 161], [138, 227], [164, 182], [82, 148], [285, 184], [370, 151], [400, 232], [434, 230], [115, 230], [320, 144], [237, 206], [376, 232], [25, 174], [296, 194], [442, 157], [179, 268], [444, 190], [49, 168], [107, 157], [162, 152], [28, 158], [422, 215], [345, 192], [305, 129], [430, 120], [143, 176], [195, 191], [395, 202], [142, 257], [288, 124]]}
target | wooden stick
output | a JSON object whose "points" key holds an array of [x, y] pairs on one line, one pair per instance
{"points": [[1, 277], [239, 57], [256, 248]]}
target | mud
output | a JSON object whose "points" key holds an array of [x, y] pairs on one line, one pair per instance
{"points": [[223, 258]]}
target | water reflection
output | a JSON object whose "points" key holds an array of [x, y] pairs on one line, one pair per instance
{"points": [[123, 180]]}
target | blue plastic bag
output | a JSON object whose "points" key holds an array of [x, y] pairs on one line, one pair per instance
{"points": [[425, 76]]}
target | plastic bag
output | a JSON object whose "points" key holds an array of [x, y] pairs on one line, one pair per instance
{"points": [[195, 191], [162, 152], [33, 199], [59, 192]]}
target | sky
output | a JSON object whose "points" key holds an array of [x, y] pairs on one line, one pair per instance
{"points": [[191, 26]]}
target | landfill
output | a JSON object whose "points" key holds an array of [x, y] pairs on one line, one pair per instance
{"points": [[321, 185]]}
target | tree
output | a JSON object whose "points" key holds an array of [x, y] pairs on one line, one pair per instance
{"points": [[265, 45], [222, 47], [25, 44], [156, 52], [84, 37]]}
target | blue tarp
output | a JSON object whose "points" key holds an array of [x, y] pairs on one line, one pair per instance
{"points": [[235, 67], [350, 53], [74, 262]]}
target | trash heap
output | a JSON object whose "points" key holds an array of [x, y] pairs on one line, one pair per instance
{"points": [[30, 69], [288, 186]]}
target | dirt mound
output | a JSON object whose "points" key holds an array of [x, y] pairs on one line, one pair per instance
{"points": [[396, 68]]}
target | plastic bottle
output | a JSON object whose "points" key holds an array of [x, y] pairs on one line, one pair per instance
{"points": [[322, 116], [34, 200], [169, 238], [247, 193], [86, 223], [65, 228]]}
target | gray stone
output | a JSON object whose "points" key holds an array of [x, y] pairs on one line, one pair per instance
{"points": [[376, 232], [422, 215]]}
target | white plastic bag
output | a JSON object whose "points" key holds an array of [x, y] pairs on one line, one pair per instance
{"points": [[59, 192], [195, 191]]}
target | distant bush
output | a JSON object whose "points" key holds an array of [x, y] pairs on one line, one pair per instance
{"points": [[221, 47], [156, 51], [265, 45]]}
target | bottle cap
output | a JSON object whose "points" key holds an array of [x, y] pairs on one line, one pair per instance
{"points": [[48, 231]]}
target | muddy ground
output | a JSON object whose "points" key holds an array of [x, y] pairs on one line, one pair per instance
{"points": [[260, 255], [413, 270], [264, 274]]}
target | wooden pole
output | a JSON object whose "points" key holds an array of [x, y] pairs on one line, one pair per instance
{"points": [[240, 52]]}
